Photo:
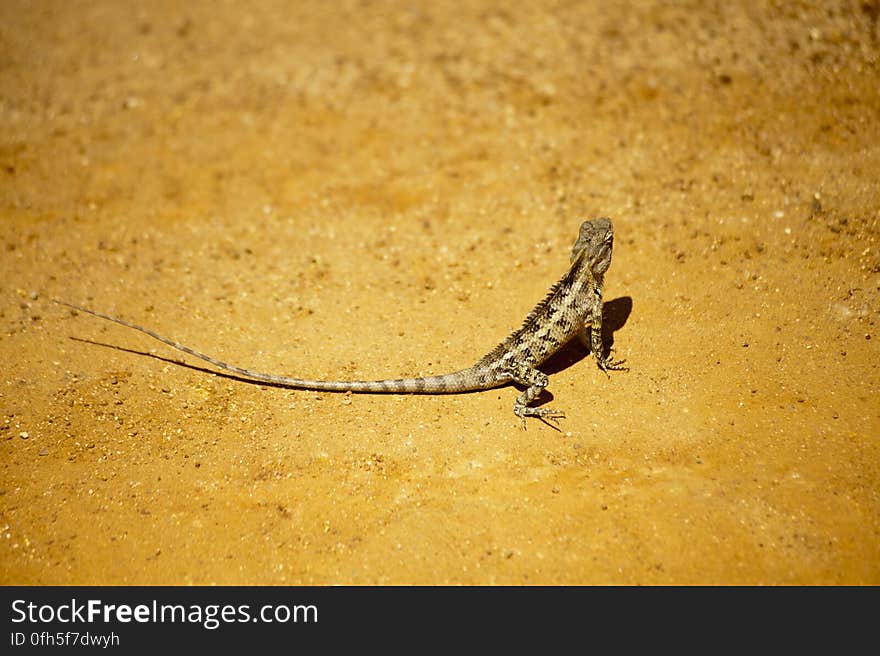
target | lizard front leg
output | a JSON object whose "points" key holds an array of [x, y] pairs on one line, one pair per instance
{"points": [[594, 341], [535, 381]]}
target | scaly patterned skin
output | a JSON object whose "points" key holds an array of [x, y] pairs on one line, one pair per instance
{"points": [[573, 303]]}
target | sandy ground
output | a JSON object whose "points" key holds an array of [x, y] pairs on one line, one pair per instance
{"points": [[374, 189]]}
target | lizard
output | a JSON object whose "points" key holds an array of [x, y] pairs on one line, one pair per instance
{"points": [[571, 305]]}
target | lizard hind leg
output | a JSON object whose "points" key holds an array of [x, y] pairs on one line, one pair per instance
{"points": [[534, 381]]}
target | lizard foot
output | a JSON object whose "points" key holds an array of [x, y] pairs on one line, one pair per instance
{"points": [[606, 364], [546, 415]]}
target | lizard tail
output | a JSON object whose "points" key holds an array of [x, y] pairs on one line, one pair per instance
{"points": [[459, 381]]}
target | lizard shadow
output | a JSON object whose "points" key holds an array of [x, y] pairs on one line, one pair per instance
{"points": [[181, 363]]}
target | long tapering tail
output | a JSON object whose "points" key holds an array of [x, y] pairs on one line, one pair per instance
{"points": [[459, 381]]}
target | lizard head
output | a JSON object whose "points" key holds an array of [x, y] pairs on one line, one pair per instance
{"points": [[594, 244]]}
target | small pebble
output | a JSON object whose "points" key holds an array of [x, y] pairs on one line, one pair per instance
{"points": [[24, 435]]}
